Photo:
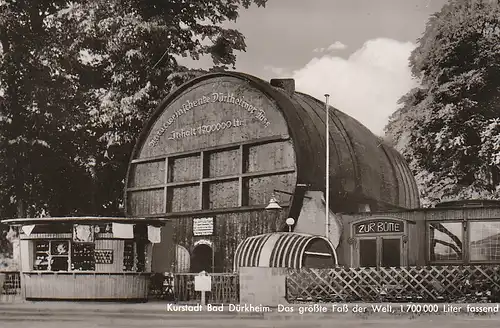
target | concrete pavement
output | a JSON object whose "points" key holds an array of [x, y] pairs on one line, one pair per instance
{"points": [[78, 320], [105, 309], [315, 311]]}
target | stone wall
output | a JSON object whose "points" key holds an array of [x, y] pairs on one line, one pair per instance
{"points": [[263, 286]]}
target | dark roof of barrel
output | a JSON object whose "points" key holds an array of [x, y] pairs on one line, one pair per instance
{"points": [[362, 168]]}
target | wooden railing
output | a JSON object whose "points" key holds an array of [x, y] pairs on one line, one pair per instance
{"points": [[425, 284], [179, 287], [10, 286], [10, 282]]}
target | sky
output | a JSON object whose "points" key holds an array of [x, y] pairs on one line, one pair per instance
{"points": [[355, 50]]}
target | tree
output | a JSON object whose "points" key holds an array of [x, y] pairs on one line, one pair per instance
{"points": [[33, 137], [79, 78], [449, 127]]}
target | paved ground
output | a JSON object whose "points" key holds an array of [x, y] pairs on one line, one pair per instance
{"points": [[154, 315], [142, 321]]}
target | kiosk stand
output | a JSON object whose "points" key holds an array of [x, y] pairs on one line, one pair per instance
{"points": [[79, 258]]}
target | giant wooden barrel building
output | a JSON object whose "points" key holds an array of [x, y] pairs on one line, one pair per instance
{"points": [[221, 145]]}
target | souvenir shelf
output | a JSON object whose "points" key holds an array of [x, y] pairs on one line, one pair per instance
{"points": [[42, 253], [103, 256], [83, 257], [128, 256]]}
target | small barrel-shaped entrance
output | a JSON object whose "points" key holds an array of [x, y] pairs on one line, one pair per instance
{"points": [[285, 250]]}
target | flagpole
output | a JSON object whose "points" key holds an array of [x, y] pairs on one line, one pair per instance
{"points": [[327, 175]]}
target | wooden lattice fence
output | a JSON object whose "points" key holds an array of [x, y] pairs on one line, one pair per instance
{"points": [[432, 283]]}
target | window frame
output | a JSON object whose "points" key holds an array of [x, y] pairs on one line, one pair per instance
{"points": [[463, 240], [466, 245], [469, 248], [50, 255], [203, 180]]}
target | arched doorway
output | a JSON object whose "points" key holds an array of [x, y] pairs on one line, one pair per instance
{"points": [[202, 258]]}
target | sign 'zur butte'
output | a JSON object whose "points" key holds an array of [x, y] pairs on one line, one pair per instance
{"points": [[379, 226]]}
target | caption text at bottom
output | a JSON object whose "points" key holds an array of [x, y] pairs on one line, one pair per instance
{"points": [[341, 308]]}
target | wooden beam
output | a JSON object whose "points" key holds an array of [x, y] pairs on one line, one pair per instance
{"points": [[190, 214], [240, 179], [165, 180], [216, 179], [153, 187], [226, 146], [202, 170], [318, 254]]}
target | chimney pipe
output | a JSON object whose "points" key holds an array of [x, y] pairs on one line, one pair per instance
{"points": [[285, 84]]}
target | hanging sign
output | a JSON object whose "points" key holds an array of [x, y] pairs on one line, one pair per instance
{"points": [[123, 230], [154, 234], [379, 226], [28, 229], [83, 233], [203, 226]]}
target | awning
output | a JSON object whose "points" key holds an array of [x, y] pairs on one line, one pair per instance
{"points": [[279, 250], [84, 220]]}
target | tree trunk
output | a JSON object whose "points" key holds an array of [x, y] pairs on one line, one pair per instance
{"points": [[93, 187], [21, 210], [494, 177]]}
